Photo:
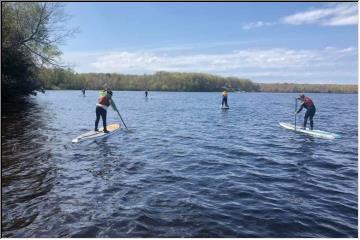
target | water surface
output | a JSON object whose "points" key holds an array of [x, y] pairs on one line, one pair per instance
{"points": [[185, 168]]}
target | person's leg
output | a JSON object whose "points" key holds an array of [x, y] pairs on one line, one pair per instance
{"points": [[97, 118], [311, 115], [103, 116], [306, 118], [311, 122], [226, 102], [222, 103]]}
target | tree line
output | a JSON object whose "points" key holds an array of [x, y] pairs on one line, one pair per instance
{"points": [[308, 88], [160, 81], [58, 78]]}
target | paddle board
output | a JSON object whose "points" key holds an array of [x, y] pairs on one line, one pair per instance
{"points": [[314, 133], [112, 128], [224, 107]]}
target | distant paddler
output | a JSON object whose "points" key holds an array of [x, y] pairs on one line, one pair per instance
{"points": [[83, 91], [146, 93], [309, 105], [104, 102], [224, 99]]}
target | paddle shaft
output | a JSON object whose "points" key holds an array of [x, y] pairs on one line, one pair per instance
{"points": [[295, 111], [121, 118], [115, 108]]}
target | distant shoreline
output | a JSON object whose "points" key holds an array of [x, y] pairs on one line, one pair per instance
{"points": [[199, 91], [177, 82], [309, 88]]}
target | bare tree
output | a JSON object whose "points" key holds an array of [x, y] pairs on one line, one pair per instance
{"points": [[38, 27]]}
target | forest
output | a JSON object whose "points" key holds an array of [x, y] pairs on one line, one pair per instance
{"points": [[308, 88], [160, 81], [58, 78]]}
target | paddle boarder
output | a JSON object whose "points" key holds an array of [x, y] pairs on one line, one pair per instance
{"points": [[224, 99], [146, 93], [309, 105], [104, 102], [83, 91]]}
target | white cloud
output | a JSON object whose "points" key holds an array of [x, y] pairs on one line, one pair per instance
{"points": [[332, 15], [257, 24], [329, 64]]}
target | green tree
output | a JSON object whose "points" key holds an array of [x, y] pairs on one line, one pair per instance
{"points": [[31, 33]]}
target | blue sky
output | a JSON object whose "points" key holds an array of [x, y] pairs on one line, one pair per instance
{"points": [[265, 42]]}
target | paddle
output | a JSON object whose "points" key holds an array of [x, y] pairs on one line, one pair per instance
{"points": [[295, 111], [115, 108]]}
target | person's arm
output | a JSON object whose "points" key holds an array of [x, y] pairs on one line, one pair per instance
{"points": [[302, 106]]}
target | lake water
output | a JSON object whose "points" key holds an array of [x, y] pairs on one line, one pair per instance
{"points": [[184, 169]]}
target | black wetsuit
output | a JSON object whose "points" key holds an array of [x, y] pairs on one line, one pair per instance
{"points": [[310, 113]]}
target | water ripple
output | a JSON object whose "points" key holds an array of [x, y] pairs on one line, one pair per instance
{"points": [[180, 171]]}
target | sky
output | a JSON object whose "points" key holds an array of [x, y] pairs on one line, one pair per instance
{"points": [[313, 42]]}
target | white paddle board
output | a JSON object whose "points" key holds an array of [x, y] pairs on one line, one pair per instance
{"points": [[314, 133], [224, 107], [112, 128]]}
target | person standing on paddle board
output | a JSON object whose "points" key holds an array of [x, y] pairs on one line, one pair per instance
{"points": [[101, 108], [224, 99], [309, 105], [146, 93]]}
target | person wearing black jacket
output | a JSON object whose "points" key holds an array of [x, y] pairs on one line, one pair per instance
{"points": [[309, 105]]}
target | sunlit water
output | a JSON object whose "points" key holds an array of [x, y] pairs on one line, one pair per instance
{"points": [[184, 169]]}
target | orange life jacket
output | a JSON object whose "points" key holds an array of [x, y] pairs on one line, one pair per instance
{"points": [[104, 100]]}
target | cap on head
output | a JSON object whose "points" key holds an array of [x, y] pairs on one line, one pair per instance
{"points": [[301, 97], [109, 92]]}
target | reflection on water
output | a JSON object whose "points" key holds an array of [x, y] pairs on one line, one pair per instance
{"points": [[184, 169], [27, 171]]}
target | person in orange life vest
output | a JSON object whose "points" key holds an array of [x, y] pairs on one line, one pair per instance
{"points": [[309, 105], [103, 103]]}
